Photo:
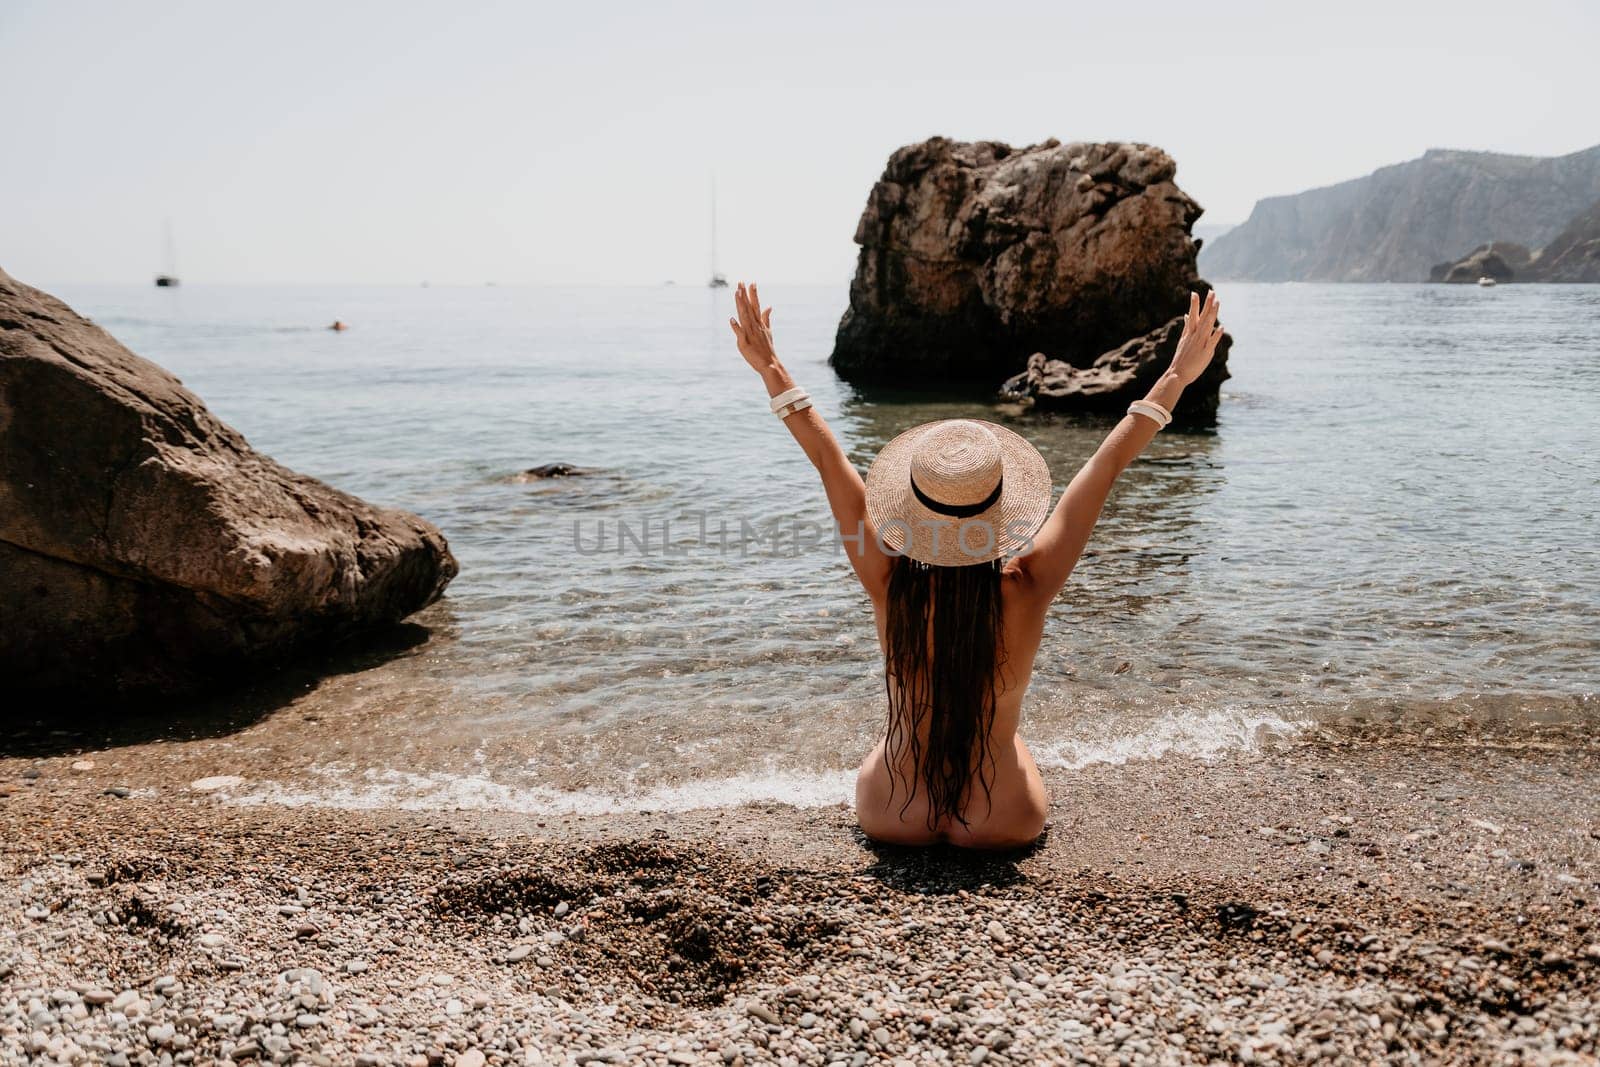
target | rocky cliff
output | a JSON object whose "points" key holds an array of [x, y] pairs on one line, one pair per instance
{"points": [[145, 546], [1401, 220], [974, 256], [1574, 254]]}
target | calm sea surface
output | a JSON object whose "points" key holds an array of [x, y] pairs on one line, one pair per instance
{"points": [[1397, 519]]}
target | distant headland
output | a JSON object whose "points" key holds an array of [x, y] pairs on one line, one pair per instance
{"points": [[1415, 220]]}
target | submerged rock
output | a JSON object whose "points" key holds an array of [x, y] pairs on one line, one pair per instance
{"points": [[975, 255], [549, 470], [144, 544], [1121, 376]]}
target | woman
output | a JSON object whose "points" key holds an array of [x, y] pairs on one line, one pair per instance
{"points": [[949, 536]]}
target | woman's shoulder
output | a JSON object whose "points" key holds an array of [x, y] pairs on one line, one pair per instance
{"points": [[1018, 587]]}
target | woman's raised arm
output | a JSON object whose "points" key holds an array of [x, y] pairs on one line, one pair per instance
{"points": [[1061, 540], [847, 493]]}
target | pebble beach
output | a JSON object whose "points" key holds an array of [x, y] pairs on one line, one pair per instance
{"points": [[425, 643], [1344, 898]]}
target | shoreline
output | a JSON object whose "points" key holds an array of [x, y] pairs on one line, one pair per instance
{"points": [[1428, 900]]}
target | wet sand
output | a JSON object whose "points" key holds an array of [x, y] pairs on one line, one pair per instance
{"points": [[1345, 898]]}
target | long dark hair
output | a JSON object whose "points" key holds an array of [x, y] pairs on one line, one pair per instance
{"points": [[944, 647]]}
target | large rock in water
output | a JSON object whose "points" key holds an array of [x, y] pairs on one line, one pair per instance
{"points": [[144, 545], [1501, 260], [1120, 376], [974, 256]]}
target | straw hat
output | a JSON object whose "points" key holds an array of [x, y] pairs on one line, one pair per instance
{"points": [[958, 492]]}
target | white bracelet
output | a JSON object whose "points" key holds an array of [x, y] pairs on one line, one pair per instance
{"points": [[792, 407], [787, 397], [1165, 414], [1152, 411]]}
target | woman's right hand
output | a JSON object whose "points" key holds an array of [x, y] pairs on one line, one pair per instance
{"points": [[1199, 340], [752, 329]]}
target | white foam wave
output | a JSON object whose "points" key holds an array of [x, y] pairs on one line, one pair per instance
{"points": [[1202, 735], [1198, 734], [406, 791]]}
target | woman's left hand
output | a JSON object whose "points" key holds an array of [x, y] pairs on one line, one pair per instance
{"points": [[753, 329]]}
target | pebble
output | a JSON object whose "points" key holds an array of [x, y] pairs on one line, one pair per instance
{"points": [[997, 931], [519, 953], [471, 1058], [83, 765], [356, 967], [121, 792]]}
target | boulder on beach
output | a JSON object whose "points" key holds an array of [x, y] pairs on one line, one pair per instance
{"points": [[1503, 261], [1121, 376], [145, 546], [976, 255]]}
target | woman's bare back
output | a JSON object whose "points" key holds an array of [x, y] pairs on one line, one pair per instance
{"points": [[1013, 812]]}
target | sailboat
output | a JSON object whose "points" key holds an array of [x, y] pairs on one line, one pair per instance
{"points": [[717, 280], [168, 278]]}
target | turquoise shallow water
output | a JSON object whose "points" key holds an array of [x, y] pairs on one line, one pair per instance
{"points": [[1395, 518]]}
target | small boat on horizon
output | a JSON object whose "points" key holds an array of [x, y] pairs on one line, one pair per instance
{"points": [[168, 278], [1487, 281], [717, 280]]}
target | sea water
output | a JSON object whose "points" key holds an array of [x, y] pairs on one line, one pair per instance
{"points": [[1396, 519]]}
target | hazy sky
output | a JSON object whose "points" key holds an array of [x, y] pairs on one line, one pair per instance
{"points": [[545, 143]]}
